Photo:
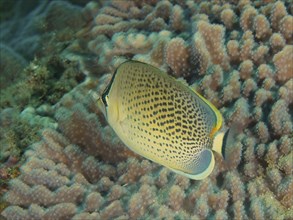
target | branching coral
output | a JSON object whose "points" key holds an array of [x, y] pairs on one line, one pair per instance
{"points": [[60, 174], [239, 56]]}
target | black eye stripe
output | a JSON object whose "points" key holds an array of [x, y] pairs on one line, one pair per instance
{"points": [[108, 88], [104, 99]]}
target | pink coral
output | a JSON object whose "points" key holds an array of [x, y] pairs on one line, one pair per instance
{"points": [[242, 65], [178, 57], [282, 61]]}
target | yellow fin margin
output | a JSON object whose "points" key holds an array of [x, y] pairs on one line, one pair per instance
{"points": [[219, 117]]}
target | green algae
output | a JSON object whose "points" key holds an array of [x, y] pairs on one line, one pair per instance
{"points": [[44, 83], [16, 136], [6, 174], [41, 83]]}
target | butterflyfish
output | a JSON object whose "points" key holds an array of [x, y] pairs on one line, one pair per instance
{"points": [[163, 119]]}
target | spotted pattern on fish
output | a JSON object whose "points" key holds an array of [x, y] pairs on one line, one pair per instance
{"points": [[160, 118]]}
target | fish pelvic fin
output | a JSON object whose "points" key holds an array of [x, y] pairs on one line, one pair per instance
{"points": [[97, 100]]}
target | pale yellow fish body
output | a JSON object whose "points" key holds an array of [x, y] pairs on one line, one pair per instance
{"points": [[162, 119]]}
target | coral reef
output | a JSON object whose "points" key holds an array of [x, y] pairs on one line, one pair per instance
{"points": [[45, 81], [26, 23], [238, 54], [35, 35], [11, 65], [29, 88]]}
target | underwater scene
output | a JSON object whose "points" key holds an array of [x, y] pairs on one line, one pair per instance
{"points": [[146, 110]]}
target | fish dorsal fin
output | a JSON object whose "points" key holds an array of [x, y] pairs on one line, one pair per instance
{"points": [[124, 123], [218, 115]]}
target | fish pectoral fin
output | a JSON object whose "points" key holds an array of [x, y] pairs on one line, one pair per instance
{"points": [[124, 123], [123, 126], [127, 134]]}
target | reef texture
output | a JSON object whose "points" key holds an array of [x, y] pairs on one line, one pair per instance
{"points": [[34, 75], [237, 54]]}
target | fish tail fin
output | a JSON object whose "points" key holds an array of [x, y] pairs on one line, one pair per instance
{"points": [[218, 142], [225, 139]]}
